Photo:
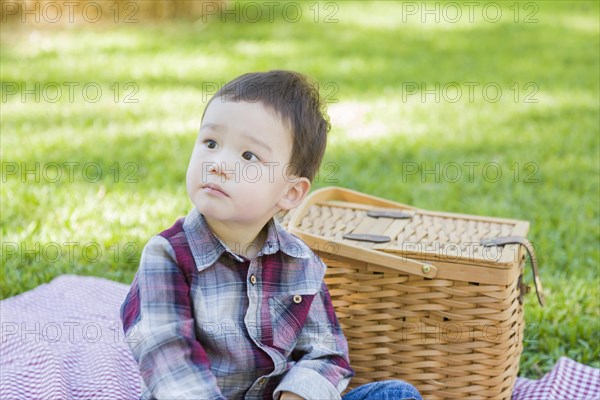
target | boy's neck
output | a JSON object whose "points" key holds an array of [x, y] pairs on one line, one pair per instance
{"points": [[243, 240]]}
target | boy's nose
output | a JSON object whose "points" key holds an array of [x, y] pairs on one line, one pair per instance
{"points": [[225, 170]]}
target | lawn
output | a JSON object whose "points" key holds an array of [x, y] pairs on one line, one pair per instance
{"points": [[490, 116]]}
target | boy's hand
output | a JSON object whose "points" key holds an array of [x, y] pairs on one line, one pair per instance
{"points": [[289, 396]]}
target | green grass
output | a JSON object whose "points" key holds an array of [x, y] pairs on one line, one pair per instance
{"points": [[547, 151]]}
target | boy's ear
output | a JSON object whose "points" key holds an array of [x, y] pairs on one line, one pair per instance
{"points": [[297, 191]]}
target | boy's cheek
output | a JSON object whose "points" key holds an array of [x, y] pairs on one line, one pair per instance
{"points": [[274, 171], [191, 177]]}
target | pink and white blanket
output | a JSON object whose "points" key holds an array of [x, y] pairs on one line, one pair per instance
{"points": [[64, 340]]}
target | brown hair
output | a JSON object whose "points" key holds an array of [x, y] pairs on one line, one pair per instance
{"points": [[296, 100]]}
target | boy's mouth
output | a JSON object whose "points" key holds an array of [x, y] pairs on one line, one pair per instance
{"points": [[212, 188]]}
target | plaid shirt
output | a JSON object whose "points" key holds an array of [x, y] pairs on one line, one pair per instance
{"points": [[205, 323]]}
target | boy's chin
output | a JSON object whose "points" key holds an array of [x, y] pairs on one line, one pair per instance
{"points": [[213, 212]]}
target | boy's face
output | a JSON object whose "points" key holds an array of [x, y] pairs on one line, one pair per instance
{"points": [[236, 172]]}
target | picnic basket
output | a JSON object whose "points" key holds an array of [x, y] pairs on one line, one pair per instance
{"points": [[431, 298]]}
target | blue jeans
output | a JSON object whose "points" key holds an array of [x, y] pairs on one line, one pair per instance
{"points": [[384, 390]]}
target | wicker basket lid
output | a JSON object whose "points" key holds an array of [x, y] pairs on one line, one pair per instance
{"points": [[355, 223]]}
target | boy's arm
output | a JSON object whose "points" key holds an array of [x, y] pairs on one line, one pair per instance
{"points": [[323, 370], [289, 396], [159, 328]]}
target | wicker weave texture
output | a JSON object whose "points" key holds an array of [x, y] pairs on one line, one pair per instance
{"points": [[455, 333], [451, 339], [424, 236]]}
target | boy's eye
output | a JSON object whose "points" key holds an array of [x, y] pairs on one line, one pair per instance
{"points": [[249, 156], [211, 144]]}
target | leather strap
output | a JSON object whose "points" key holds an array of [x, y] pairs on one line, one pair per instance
{"points": [[389, 214], [503, 240], [367, 237]]}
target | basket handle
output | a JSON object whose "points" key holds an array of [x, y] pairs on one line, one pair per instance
{"points": [[501, 241]]}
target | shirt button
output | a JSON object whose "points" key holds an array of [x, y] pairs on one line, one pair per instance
{"points": [[262, 381], [297, 299], [253, 280]]}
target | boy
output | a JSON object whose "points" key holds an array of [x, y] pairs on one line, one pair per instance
{"points": [[226, 304]]}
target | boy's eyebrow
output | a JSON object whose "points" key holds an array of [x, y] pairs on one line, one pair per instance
{"points": [[210, 125], [259, 142]]}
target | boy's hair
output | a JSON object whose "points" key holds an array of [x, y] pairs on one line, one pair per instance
{"points": [[296, 100]]}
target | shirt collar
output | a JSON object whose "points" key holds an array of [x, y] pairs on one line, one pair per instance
{"points": [[208, 248]]}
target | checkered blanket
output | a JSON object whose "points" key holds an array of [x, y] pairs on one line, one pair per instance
{"points": [[64, 340]]}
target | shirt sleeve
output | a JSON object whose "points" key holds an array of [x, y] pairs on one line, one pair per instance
{"points": [[159, 328], [323, 371]]}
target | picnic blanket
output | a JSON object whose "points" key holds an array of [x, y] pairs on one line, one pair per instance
{"points": [[64, 340]]}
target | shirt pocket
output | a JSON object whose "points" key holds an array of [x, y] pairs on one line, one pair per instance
{"points": [[288, 313]]}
